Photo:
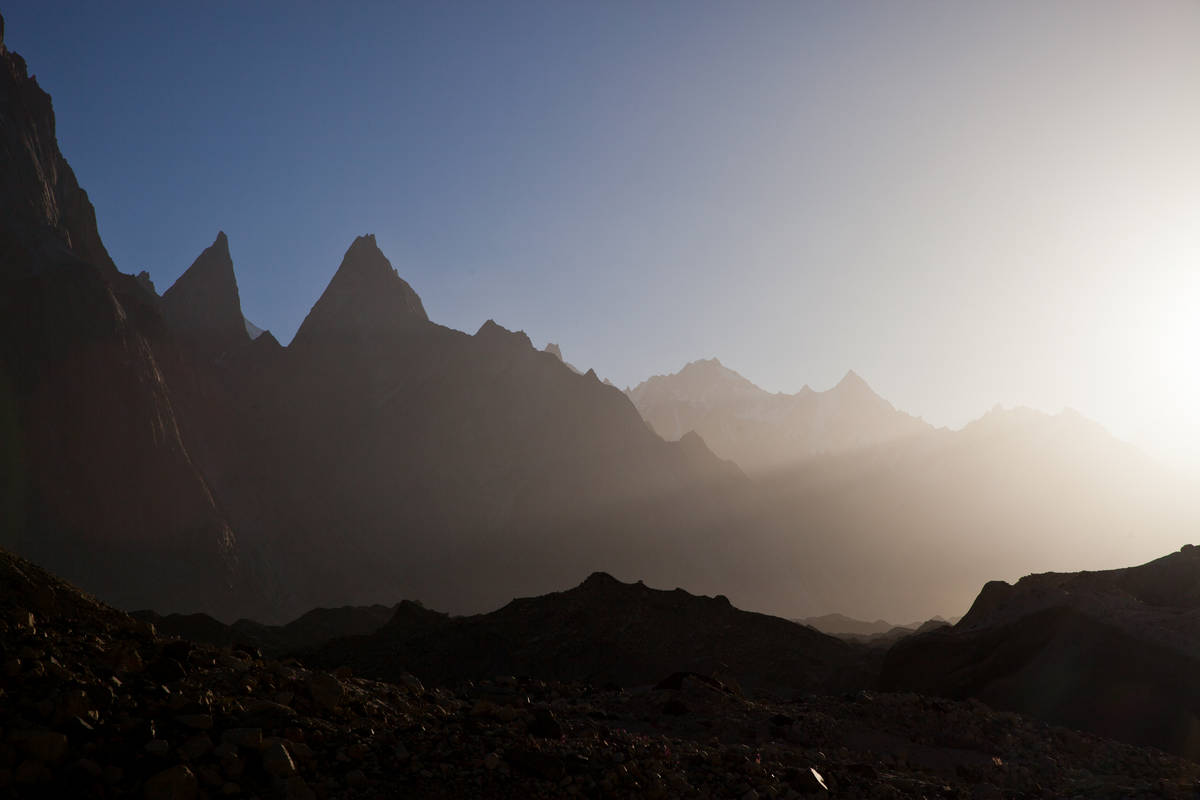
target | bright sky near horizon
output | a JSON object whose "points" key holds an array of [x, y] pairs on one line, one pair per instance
{"points": [[966, 203]]}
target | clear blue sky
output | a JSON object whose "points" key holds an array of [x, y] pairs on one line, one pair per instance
{"points": [[967, 203]]}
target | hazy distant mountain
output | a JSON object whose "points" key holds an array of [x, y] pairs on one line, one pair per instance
{"points": [[913, 527], [1114, 652], [835, 624], [761, 431], [554, 350]]}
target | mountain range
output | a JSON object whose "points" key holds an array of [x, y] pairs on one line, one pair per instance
{"points": [[761, 431], [158, 454]]}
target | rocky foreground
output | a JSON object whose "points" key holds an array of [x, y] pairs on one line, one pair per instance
{"points": [[94, 703]]}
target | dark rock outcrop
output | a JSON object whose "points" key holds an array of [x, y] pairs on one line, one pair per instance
{"points": [[1113, 652]]}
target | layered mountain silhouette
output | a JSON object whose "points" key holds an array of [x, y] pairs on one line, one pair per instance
{"points": [[157, 453], [1115, 652], [378, 450], [761, 431]]}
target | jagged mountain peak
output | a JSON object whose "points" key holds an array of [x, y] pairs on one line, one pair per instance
{"points": [[204, 304], [364, 256], [553, 349], [366, 298], [852, 381], [491, 331]]}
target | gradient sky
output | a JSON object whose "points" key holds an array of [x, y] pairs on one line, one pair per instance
{"points": [[968, 204]]}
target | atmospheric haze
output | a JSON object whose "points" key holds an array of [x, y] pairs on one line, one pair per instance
{"points": [[967, 204]]}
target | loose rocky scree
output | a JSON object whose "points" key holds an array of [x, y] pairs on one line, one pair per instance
{"points": [[94, 703]]}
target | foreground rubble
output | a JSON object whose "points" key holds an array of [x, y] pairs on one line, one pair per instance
{"points": [[94, 703]]}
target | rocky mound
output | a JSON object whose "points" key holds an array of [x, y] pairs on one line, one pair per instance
{"points": [[1115, 652], [308, 631], [607, 632], [94, 703]]}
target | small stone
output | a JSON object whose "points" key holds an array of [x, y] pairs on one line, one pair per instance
{"points": [[277, 761], [158, 747], [195, 747], [491, 761], [545, 725], [986, 791], [411, 683], [175, 783], [298, 789], [300, 751], [807, 781], [74, 703], [250, 738], [325, 690], [48, 747], [199, 722], [168, 670], [484, 708], [356, 779], [127, 659], [30, 771]]}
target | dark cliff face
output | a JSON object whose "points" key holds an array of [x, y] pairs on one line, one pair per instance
{"points": [[99, 485], [40, 200]]}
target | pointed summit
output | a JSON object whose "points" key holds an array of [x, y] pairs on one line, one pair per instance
{"points": [[365, 299], [853, 382], [204, 304]]}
